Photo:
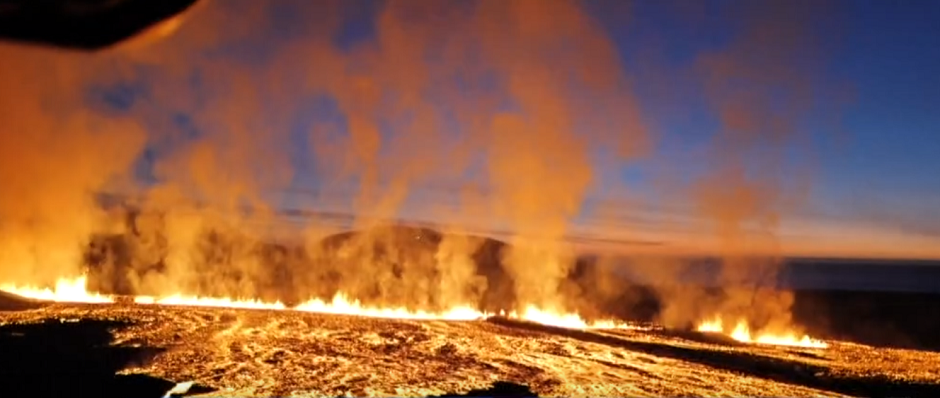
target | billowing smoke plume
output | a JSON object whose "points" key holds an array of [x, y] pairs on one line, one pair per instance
{"points": [[760, 87], [510, 104], [513, 96], [54, 154]]}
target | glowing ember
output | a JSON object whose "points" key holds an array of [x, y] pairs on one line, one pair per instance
{"points": [[742, 333], [67, 290], [210, 302]]}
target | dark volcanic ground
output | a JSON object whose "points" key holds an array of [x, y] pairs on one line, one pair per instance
{"points": [[65, 349]]}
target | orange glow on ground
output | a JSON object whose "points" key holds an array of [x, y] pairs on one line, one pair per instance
{"points": [[742, 333], [564, 320], [68, 290], [341, 305], [194, 301], [74, 291]]}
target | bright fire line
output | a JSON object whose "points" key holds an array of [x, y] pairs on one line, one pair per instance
{"points": [[183, 300], [341, 305], [73, 290], [69, 290], [742, 333]]}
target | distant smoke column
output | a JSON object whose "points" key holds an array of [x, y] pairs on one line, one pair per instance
{"points": [[745, 192], [540, 173], [565, 79]]}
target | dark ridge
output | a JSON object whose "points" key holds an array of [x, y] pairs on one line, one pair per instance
{"points": [[293, 272], [500, 291], [882, 319], [700, 337], [59, 358], [612, 241], [290, 271], [12, 302], [501, 389], [776, 369], [397, 232], [881, 303]]}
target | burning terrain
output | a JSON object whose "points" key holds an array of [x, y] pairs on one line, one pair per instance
{"points": [[339, 345], [509, 116]]}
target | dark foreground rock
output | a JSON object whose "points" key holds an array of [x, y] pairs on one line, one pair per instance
{"points": [[501, 389], [59, 358]]}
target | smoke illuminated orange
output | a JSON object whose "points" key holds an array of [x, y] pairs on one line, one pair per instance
{"points": [[742, 333]]}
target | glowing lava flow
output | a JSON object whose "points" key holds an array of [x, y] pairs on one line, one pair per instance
{"points": [[569, 320], [342, 305], [743, 334], [195, 301], [67, 290], [75, 291]]}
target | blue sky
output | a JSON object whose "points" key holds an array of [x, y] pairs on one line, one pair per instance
{"points": [[891, 56], [855, 83], [876, 139]]}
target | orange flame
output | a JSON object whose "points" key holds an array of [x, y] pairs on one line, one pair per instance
{"points": [[565, 320], [742, 333], [74, 290], [342, 305], [196, 301], [68, 290]]}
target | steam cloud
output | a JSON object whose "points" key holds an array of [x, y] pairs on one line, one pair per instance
{"points": [[520, 97], [759, 87]]}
